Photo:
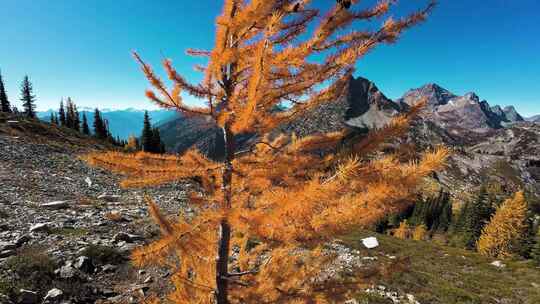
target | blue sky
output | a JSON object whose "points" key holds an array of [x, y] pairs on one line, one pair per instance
{"points": [[81, 48]]}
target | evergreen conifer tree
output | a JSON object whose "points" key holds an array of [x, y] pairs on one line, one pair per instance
{"points": [[99, 127], [108, 135], [445, 216], [76, 119], [85, 129], [433, 212], [472, 218], [28, 98], [70, 114], [157, 144], [4, 102], [535, 250], [62, 113], [147, 135]]}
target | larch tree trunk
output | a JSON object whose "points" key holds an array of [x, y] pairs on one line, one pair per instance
{"points": [[222, 271]]}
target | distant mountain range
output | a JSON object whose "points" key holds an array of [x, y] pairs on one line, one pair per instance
{"points": [[122, 123], [489, 143], [463, 118], [535, 118], [460, 113]]}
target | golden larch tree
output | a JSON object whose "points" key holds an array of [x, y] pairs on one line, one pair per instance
{"points": [[502, 236], [279, 193], [403, 231], [419, 233]]}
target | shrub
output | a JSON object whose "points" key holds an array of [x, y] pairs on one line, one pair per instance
{"points": [[103, 254], [33, 269]]}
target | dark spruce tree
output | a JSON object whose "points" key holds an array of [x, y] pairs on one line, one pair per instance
{"points": [[147, 134], [99, 126], [157, 145], [85, 128], [535, 250], [4, 102], [473, 217], [53, 118], [28, 98], [62, 113], [70, 114], [76, 119], [108, 135], [434, 212]]}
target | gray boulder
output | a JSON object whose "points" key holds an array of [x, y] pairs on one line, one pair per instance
{"points": [[28, 297], [40, 227], [111, 198], [84, 264], [66, 271], [56, 205]]}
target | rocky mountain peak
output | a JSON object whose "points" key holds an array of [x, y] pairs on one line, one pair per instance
{"points": [[435, 94], [472, 96], [512, 115], [497, 110]]}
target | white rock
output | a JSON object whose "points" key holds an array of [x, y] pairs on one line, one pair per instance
{"points": [[370, 242], [88, 182], [148, 280], [412, 299], [7, 246], [56, 205], [39, 227], [498, 264], [54, 294]]}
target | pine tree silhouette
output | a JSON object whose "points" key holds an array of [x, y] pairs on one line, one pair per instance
{"points": [[62, 113], [147, 137], [100, 130], [76, 119], [85, 129], [4, 102], [535, 251], [157, 144], [472, 218], [28, 98]]}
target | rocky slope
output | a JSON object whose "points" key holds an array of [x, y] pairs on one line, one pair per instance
{"points": [[71, 223], [492, 145], [74, 226]]}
